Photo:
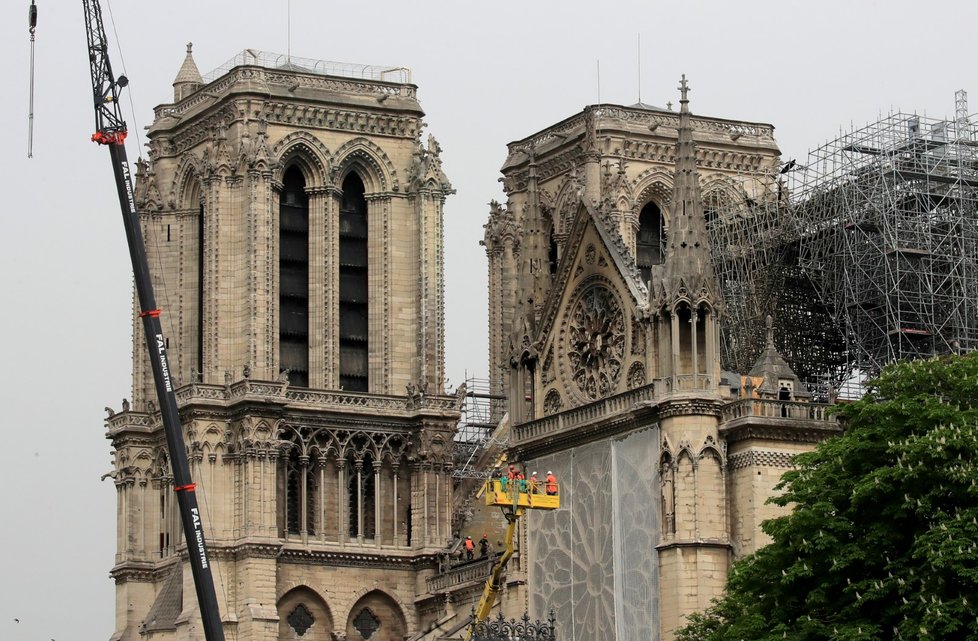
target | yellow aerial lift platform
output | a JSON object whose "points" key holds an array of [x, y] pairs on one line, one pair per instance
{"points": [[507, 498], [513, 503]]}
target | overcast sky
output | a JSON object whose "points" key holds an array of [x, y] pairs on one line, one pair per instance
{"points": [[488, 73]]}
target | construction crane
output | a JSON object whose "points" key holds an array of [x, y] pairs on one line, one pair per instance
{"points": [[110, 131], [513, 497]]}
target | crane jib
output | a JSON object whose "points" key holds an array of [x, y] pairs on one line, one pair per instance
{"points": [[110, 131]]}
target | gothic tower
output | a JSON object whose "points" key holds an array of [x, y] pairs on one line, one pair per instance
{"points": [[693, 551], [613, 373], [293, 222]]}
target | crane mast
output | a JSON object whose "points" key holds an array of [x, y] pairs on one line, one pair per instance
{"points": [[110, 130]]}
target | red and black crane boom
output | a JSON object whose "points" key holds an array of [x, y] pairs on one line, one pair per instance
{"points": [[110, 130]]}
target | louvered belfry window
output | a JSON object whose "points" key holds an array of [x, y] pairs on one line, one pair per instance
{"points": [[353, 286], [294, 278], [650, 246]]}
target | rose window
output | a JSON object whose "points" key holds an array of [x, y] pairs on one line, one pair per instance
{"points": [[596, 342]]}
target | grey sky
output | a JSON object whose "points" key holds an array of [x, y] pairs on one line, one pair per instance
{"points": [[488, 73]]}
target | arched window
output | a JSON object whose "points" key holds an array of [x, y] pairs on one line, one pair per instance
{"points": [[376, 617], [301, 495], [650, 245], [361, 490], [294, 278], [201, 228], [302, 614], [353, 286]]}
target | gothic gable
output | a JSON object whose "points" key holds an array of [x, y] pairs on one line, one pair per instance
{"points": [[592, 341]]}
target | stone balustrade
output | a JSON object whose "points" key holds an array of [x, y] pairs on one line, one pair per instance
{"points": [[476, 571], [769, 408], [569, 419]]}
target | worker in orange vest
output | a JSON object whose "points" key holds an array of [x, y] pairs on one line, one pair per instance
{"points": [[551, 483], [469, 548], [534, 484]]}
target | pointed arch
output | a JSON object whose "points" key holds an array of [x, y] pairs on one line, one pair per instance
{"points": [[303, 614], [303, 150], [293, 295], [186, 188], [721, 196], [376, 616], [654, 185], [354, 263], [370, 162]]}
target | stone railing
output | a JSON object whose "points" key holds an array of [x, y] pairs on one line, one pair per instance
{"points": [[582, 415], [313, 80], [767, 408], [476, 571], [269, 390], [687, 383], [645, 117]]}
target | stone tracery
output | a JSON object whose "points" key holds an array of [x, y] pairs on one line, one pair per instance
{"points": [[596, 343]]}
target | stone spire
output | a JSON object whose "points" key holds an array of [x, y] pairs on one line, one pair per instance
{"points": [[688, 269], [535, 271], [188, 79]]}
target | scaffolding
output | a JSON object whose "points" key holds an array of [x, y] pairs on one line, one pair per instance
{"points": [[754, 238], [477, 431], [887, 222]]}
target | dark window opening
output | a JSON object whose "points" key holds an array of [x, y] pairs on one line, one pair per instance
{"points": [[366, 623], [200, 291], [361, 496], [353, 287], [650, 246], [300, 619], [294, 278], [552, 254]]}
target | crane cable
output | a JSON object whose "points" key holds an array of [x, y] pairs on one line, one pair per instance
{"points": [[32, 26]]}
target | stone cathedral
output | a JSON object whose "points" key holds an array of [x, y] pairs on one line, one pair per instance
{"points": [[293, 220], [604, 336]]}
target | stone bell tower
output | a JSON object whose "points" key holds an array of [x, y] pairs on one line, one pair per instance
{"points": [[293, 221]]}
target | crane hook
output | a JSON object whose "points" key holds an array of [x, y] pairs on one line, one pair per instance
{"points": [[32, 26]]}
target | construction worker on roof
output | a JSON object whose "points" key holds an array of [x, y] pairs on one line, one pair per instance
{"points": [[469, 548], [534, 484]]}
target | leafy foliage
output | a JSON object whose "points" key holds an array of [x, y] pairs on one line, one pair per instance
{"points": [[881, 540]]}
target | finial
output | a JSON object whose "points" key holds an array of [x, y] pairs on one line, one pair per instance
{"points": [[770, 330], [684, 88], [190, 47]]}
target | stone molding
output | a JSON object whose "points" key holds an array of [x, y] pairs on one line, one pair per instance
{"points": [[761, 458]]}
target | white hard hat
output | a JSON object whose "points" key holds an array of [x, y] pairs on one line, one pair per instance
{"points": [[534, 474], [549, 472]]}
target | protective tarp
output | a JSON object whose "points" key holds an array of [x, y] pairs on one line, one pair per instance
{"points": [[594, 561]]}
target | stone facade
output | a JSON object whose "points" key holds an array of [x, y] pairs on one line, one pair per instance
{"points": [[604, 337], [293, 223]]}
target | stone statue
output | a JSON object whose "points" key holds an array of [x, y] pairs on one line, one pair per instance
{"points": [[247, 370], [125, 404], [109, 411], [194, 375]]}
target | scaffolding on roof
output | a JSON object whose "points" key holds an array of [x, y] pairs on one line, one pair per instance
{"points": [[888, 235], [285, 62], [754, 240]]}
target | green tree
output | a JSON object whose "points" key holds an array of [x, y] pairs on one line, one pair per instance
{"points": [[880, 542]]}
